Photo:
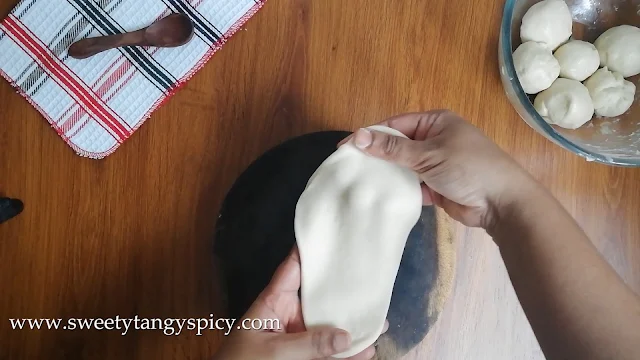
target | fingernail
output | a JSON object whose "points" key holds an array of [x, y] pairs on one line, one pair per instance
{"points": [[341, 341], [363, 138]]}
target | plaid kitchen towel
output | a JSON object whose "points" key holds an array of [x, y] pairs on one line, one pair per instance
{"points": [[97, 103]]}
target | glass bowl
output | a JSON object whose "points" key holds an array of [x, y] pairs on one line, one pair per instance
{"points": [[613, 141]]}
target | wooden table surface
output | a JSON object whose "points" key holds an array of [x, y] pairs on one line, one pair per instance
{"points": [[132, 234]]}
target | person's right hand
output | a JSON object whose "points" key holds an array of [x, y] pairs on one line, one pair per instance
{"points": [[463, 171]]}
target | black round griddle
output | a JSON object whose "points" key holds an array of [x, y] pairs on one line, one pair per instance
{"points": [[254, 234]]}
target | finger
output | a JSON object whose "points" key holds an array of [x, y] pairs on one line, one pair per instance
{"points": [[366, 354], [416, 126], [405, 152], [295, 253], [427, 198], [462, 213], [385, 327], [345, 140], [285, 280], [369, 352], [313, 344], [420, 126], [287, 276]]}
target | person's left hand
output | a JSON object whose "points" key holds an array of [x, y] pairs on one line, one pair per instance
{"points": [[292, 341]]}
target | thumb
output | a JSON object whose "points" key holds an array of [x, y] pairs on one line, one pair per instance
{"points": [[402, 151], [312, 344]]}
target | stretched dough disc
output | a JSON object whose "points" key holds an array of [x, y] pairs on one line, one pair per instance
{"points": [[351, 224], [254, 233]]}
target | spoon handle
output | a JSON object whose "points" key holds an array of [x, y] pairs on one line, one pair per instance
{"points": [[88, 47]]}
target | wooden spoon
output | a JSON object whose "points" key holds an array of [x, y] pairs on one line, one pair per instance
{"points": [[172, 31]]}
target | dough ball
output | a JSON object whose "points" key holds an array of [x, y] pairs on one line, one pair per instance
{"points": [[547, 22], [578, 60], [536, 67], [612, 95], [619, 49], [566, 103]]}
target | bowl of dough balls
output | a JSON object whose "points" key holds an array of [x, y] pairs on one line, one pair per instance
{"points": [[570, 69]]}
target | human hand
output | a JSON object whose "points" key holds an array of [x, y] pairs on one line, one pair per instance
{"points": [[292, 341], [463, 171]]}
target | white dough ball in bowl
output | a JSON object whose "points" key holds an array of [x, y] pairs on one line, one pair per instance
{"points": [[619, 49], [536, 67], [547, 22], [578, 60], [566, 103], [611, 94]]}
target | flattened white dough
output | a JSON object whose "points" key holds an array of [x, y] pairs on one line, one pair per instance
{"points": [[351, 225]]}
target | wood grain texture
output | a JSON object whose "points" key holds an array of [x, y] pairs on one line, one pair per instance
{"points": [[132, 234]]}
